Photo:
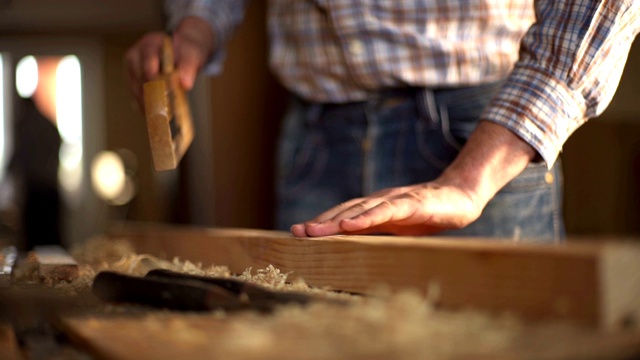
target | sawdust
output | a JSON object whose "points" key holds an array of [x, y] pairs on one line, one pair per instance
{"points": [[402, 326], [101, 253]]}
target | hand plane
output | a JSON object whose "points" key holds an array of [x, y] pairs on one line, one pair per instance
{"points": [[167, 113]]}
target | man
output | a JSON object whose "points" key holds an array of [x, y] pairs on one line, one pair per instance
{"points": [[420, 116]]}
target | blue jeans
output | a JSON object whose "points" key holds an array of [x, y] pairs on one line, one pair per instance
{"points": [[330, 153]]}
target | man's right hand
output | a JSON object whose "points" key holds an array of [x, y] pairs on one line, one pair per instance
{"points": [[192, 46]]}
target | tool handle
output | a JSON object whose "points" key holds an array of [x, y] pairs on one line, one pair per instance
{"points": [[163, 293], [258, 296], [167, 59]]}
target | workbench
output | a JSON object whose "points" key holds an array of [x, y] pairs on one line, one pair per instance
{"points": [[434, 298]]}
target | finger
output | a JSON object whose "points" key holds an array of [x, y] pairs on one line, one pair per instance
{"points": [[397, 211], [328, 223], [298, 230], [189, 60], [188, 70], [150, 61], [336, 210], [402, 230], [395, 216], [358, 206]]}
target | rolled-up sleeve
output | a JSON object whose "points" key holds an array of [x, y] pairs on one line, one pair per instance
{"points": [[223, 16], [570, 64]]}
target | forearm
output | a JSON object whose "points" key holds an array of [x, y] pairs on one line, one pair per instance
{"points": [[569, 66], [491, 158]]}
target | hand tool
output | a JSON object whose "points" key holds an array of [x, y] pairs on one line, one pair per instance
{"points": [[168, 115], [258, 296], [162, 293], [179, 291]]}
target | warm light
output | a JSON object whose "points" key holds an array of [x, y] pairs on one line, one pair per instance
{"points": [[111, 176], [108, 175], [27, 76], [69, 121]]}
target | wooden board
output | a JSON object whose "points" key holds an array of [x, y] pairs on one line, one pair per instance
{"points": [[596, 285], [9, 348], [166, 107], [162, 336], [55, 264]]}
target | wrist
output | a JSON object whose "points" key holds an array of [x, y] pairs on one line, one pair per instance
{"points": [[492, 157]]}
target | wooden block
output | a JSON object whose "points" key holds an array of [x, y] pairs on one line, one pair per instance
{"points": [[592, 284], [9, 348], [8, 257], [55, 264], [169, 122]]}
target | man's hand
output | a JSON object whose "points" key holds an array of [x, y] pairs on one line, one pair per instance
{"points": [[411, 210], [491, 158], [192, 45]]}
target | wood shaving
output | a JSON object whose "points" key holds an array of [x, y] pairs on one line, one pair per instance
{"points": [[403, 326]]}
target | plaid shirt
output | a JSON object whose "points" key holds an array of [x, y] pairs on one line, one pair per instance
{"points": [[560, 70]]}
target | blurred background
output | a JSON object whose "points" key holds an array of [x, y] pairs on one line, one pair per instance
{"points": [[74, 152]]}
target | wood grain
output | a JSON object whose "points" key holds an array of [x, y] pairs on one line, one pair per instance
{"points": [[587, 283]]}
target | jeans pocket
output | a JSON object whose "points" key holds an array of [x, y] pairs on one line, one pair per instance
{"points": [[462, 110], [302, 158], [434, 145], [447, 119]]}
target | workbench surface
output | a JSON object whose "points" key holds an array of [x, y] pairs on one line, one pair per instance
{"points": [[66, 321]]}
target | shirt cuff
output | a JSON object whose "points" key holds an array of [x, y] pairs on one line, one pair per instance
{"points": [[220, 21], [539, 108]]}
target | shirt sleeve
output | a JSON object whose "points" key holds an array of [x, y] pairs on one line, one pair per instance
{"points": [[223, 16], [570, 64]]}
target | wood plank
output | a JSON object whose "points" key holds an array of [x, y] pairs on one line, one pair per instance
{"points": [[587, 283], [168, 335], [9, 348], [55, 264]]}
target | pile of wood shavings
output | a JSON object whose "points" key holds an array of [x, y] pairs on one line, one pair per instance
{"points": [[402, 326], [105, 254], [101, 253]]}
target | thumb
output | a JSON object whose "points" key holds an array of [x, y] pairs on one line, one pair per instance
{"points": [[188, 62]]}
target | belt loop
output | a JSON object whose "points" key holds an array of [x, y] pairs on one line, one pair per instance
{"points": [[427, 107]]}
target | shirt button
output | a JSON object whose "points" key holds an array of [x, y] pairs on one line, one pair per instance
{"points": [[356, 47]]}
